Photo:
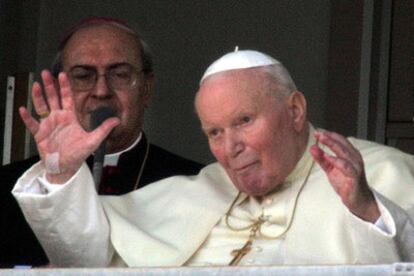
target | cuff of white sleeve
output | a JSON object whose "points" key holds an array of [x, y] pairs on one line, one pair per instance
{"points": [[385, 222], [368, 239], [47, 187], [41, 186]]}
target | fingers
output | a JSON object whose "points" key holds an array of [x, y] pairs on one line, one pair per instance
{"points": [[101, 132], [39, 103], [321, 157], [28, 120], [53, 98], [66, 92], [347, 159], [338, 144], [49, 101], [345, 171], [328, 162], [51, 92]]}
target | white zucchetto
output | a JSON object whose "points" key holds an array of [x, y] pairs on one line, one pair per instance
{"points": [[239, 60]]}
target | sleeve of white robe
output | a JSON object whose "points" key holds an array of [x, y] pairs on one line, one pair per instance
{"points": [[404, 224], [399, 240], [406, 238], [69, 222]]}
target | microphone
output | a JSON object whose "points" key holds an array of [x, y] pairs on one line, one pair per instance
{"points": [[98, 116]]}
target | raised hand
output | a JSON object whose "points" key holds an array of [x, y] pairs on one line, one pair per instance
{"points": [[61, 141], [346, 173]]}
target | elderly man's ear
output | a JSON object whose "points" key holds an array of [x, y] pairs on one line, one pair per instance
{"points": [[297, 109], [148, 88]]}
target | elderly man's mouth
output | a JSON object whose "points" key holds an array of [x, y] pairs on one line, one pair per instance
{"points": [[246, 167]]}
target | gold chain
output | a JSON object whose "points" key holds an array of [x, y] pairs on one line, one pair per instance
{"points": [[142, 166]]}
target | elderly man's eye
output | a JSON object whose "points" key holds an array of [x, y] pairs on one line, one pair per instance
{"points": [[85, 76], [213, 133], [246, 119], [122, 74], [82, 74]]}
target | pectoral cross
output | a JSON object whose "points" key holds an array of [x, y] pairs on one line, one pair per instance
{"points": [[240, 253], [247, 247]]}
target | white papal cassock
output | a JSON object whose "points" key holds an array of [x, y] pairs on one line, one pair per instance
{"points": [[181, 220]]}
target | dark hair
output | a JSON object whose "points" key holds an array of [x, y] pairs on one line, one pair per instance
{"points": [[146, 54]]}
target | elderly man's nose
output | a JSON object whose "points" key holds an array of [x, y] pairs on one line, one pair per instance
{"points": [[102, 88], [233, 144]]}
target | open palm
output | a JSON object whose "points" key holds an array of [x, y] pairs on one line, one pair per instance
{"points": [[346, 173], [61, 141]]}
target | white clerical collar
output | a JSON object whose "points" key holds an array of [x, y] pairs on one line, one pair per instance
{"points": [[112, 158]]}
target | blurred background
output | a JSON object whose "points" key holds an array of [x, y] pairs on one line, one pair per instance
{"points": [[352, 59]]}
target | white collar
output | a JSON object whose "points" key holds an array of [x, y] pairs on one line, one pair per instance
{"points": [[112, 158]]}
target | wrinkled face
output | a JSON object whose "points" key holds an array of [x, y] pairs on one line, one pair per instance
{"points": [[102, 47], [254, 135]]}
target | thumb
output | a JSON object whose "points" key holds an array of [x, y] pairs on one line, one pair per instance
{"points": [[101, 132]]}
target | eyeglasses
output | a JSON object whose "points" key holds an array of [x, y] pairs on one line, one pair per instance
{"points": [[121, 76]]}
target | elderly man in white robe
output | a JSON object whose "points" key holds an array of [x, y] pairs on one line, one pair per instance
{"points": [[282, 193]]}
